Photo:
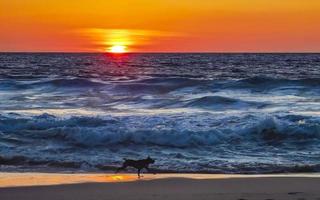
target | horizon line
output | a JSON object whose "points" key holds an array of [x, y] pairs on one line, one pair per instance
{"points": [[170, 52]]}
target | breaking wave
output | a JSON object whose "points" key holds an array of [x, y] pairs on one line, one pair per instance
{"points": [[105, 131]]}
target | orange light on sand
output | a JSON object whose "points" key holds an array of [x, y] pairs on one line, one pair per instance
{"points": [[118, 49], [32, 179], [117, 178]]}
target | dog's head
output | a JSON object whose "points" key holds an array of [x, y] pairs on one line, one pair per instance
{"points": [[150, 160]]}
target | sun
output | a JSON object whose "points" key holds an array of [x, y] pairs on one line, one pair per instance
{"points": [[118, 49]]}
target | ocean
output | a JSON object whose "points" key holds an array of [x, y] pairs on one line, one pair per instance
{"points": [[193, 113]]}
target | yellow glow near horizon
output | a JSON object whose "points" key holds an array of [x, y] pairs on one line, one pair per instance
{"points": [[118, 49], [122, 40]]}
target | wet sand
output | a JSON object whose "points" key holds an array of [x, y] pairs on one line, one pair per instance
{"points": [[33, 186]]}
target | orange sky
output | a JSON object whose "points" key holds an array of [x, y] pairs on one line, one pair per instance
{"points": [[160, 25]]}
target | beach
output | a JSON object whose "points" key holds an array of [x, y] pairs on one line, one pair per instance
{"points": [[164, 186]]}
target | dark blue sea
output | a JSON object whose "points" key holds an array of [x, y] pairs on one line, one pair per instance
{"points": [[203, 113]]}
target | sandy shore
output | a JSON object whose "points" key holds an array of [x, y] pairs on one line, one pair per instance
{"points": [[33, 186]]}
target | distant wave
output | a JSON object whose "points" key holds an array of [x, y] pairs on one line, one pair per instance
{"points": [[25, 161], [63, 83], [75, 82], [270, 83], [220, 103], [162, 85]]}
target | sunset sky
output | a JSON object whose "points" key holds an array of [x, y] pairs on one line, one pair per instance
{"points": [[160, 25]]}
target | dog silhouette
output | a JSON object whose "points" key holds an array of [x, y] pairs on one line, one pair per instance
{"points": [[138, 164]]}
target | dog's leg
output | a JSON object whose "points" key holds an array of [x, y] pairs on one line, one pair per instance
{"points": [[139, 171]]}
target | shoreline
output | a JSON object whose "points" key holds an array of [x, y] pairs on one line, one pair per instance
{"points": [[26, 179], [33, 186]]}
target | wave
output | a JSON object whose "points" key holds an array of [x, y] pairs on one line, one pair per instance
{"points": [[58, 83], [161, 131], [222, 103], [166, 85], [75, 82], [261, 82], [160, 85], [26, 161], [264, 80], [206, 102]]}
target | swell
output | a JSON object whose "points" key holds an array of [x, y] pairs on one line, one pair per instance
{"points": [[26, 161], [205, 102], [60, 82], [168, 131], [261, 82], [222, 103], [160, 84]]}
